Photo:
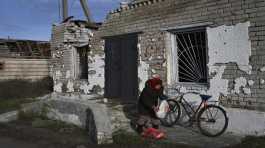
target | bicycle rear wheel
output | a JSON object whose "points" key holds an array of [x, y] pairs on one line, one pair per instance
{"points": [[173, 115], [212, 121]]}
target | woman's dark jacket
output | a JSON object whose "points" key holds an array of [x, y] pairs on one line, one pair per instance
{"points": [[148, 99]]}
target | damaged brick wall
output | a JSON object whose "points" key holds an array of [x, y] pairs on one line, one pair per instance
{"points": [[77, 62], [96, 65], [241, 87]]}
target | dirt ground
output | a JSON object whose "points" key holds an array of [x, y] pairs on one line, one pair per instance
{"points": [[31, 134], [38, 133], [23, 133]]}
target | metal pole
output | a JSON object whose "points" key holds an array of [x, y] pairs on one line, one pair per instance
{"points": [[86, 9], [65, 9], [59, 7]]}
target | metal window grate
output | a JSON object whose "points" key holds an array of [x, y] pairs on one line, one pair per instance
{"points": [[192, 57]]}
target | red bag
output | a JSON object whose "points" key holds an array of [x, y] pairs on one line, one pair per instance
{"points": [[153, 133]]}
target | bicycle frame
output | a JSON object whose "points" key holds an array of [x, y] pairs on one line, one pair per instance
{"points": [[194, 114], [186, 104]]}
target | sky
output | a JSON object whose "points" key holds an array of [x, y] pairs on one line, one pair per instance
{"points": [[32, 19]]}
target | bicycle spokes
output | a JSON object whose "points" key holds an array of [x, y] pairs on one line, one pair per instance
{"points": [[212, 120]]}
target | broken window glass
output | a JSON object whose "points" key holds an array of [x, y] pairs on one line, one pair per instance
{"points": [[191, 51]]}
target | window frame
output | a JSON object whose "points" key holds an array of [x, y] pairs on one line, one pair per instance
{"points": [[76, 65], [175, 58]]}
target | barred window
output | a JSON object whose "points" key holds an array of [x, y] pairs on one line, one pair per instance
{"points": [[192, 59]]}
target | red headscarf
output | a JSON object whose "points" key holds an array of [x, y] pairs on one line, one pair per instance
{"points": [[153, 82]]}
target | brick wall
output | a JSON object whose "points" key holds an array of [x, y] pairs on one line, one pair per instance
{"points": [[150, 17], [67, 38]]}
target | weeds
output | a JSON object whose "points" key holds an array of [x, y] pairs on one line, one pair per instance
{"points": [[21, 89], [40, 120], [12, 104], [13, 93], [124, 139]]}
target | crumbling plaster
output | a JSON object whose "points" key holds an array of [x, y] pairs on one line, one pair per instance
{"points": [[66, 40], [70, 86], [218, 85], [230, 44], [96, 72], [241, 86], [226, 44], [58, 86], [262, 69], [143, 68]]}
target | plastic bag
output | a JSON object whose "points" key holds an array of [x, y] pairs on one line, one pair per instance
{"points": [[162, 110]]}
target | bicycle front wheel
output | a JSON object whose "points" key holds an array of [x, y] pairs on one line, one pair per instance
{"points": [[173, 115], [212, 121]]}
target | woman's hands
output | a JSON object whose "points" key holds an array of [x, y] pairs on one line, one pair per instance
{"points": [[156, 108]]}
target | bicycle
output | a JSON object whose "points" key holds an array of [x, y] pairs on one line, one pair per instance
{"points": [[205, 115]]}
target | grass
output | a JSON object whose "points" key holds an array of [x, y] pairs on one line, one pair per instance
{"points": [[41, 121], [38, 129], [124, 139], [13, 93], [21, 89], [12, 104]]}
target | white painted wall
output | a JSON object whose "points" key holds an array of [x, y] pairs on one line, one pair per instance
{"points": [[143, 68], [226, 44], [246, 122], [98, 63], [230, 44]]}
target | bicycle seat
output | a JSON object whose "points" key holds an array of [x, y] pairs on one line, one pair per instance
{"points": [[205, 97]]}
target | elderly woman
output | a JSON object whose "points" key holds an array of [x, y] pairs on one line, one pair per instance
{"points": [[148, 102]]}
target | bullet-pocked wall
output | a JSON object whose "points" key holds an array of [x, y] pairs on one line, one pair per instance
{"points": [[175, 34]]}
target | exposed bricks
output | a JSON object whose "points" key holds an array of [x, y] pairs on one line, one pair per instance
{"points": [[150, 16]]}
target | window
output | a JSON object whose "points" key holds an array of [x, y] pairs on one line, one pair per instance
{"points": [[192, 59], [82, 62]]}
